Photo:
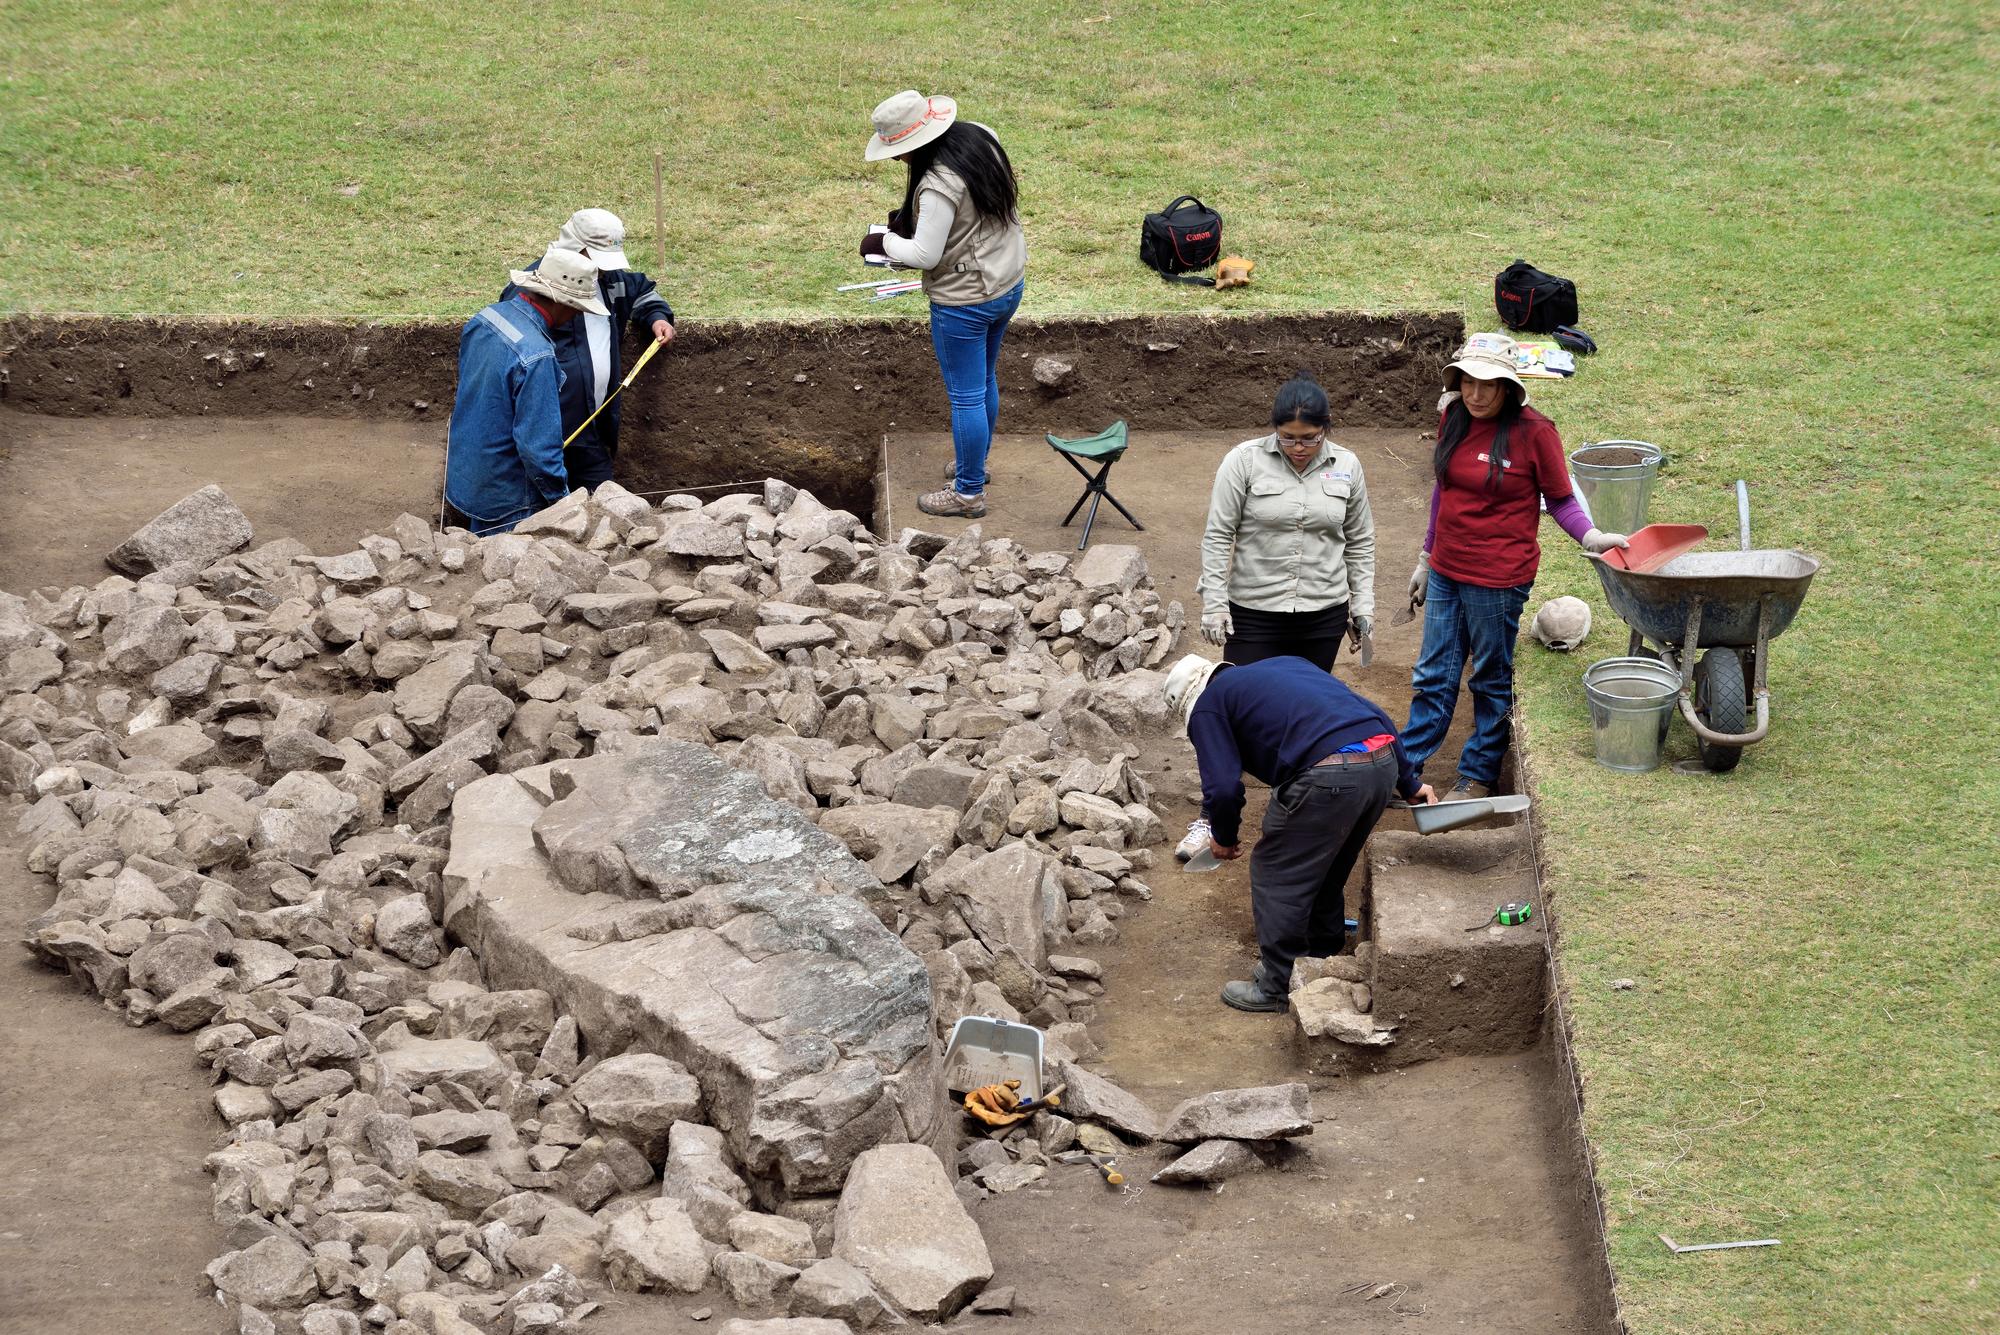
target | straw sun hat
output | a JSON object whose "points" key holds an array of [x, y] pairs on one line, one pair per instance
{"points": [[563, 276], [907, 121]]}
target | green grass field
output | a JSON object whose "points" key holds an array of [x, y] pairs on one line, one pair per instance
{"points": [[1782, 218]]}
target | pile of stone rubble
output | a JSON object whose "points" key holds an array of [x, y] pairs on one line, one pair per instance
{"points": [[240, 769]]}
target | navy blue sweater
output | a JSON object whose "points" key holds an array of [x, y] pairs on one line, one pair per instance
{"points": [[1274, 720]]}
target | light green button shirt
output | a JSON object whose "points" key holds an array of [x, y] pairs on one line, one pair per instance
{"points": [[1281, 541]]}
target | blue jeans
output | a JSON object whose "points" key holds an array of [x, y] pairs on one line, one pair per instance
{"points": [[1465, 625], [967, 339]]}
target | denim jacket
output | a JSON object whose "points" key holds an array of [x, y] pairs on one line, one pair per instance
{"points": [[504, 458]]}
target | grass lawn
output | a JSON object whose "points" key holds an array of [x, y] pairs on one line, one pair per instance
{"points": [[1782, 218]]}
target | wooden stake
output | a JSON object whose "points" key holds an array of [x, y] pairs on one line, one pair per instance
{"points": [[660, 210]]}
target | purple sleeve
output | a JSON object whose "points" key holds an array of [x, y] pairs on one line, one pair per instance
{"points": [[1570, 515], [1431, 530]]}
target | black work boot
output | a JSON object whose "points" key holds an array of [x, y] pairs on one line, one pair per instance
{"points": [[1255, 995]]}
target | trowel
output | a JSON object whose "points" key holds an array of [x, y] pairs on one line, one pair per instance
{"points": [[1202, 861], [1406, 616]]}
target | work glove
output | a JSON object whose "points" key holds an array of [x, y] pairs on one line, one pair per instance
{"points": [[1216, 626], [1597, 540], [871, 244], [1420, 579], [1359, 629]]}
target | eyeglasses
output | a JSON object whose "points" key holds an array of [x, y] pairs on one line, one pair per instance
{"points": [[1316, 438]]}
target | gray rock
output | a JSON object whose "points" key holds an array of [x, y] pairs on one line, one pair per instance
{"points": [[639, 1095], [412, 1063], [200, 527], [1111, 566], [1210, 1161], [1090, 1097], [404, 928], [656, 1247], [32, 668], [703, 537], [1053, 372], [737, 654], [774, 1237], [901, 1224], [786, 1325], [833, 1288], [423, 698], [1011, 898], [145, 639], [754, 1281], [938, 784], [465, 1184], [184, 679], [1264, 1112], [273, 1272], [892, 838]]}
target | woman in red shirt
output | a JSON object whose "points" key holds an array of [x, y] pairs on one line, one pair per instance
{"points": [[1497, 461]]}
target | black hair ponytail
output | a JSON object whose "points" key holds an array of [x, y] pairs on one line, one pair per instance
{"points": [[1301, 399]]}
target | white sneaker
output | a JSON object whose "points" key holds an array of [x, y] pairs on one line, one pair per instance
{"points": [[1197, 840]]}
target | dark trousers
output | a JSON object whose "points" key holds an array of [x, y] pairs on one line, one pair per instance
{"points": [[1313, 636], [1313, 833], [588, 462]]}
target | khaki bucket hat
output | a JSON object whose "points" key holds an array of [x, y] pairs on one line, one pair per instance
{"points": [[563, 276], [601, 232], [1185, 682], [907, 121], [1487, 357]]}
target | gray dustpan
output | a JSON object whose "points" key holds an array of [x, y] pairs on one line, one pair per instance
{"points": [[1437, 817], [986, 1051]]}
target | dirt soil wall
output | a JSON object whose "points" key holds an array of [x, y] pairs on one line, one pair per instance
{"points": [[743, 401]]}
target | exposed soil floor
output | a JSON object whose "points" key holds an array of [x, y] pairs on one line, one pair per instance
{"points": [[104, 1208], [72, 488], [1460, 1179]]}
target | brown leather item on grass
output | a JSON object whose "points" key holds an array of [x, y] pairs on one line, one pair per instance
{"points": [[1233, 271]]}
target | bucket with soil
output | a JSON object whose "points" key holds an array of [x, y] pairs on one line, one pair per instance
{"points": [[1614, 478]]}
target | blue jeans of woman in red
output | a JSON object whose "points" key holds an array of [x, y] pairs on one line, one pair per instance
{"points": [[1466, 626]]}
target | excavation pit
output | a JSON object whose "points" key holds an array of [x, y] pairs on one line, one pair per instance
{"points": [[1395, 1181]]}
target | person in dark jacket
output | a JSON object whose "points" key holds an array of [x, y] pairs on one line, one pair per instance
{"points": [[589, 350], [1331, 759], [503, 455]]}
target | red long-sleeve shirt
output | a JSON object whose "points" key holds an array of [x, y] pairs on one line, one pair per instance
{"points": [[1487, 537]]}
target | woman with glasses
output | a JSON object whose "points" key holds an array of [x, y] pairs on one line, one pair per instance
{"points": [[1288, 556]]}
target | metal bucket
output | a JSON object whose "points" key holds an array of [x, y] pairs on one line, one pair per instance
{"points": [[1615, 480], [1631, 703]]}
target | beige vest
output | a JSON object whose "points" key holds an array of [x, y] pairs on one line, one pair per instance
{"points": [[983, 257]]}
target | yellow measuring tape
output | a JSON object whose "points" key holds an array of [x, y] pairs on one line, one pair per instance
{"points": [[623, 385]]}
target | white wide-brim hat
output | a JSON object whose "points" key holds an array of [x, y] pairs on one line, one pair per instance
{"points": [[1186, 680], [564, 276], [907, 121], [1488, 357], [599, 231]]}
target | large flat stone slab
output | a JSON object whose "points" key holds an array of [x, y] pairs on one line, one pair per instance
{"points": [[806, 1022], [667, 818]]}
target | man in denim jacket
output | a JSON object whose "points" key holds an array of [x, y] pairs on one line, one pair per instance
{"points": [[504, 455]]}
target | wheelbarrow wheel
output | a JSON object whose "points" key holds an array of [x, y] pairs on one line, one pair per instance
{"points": [[1723, 704]]}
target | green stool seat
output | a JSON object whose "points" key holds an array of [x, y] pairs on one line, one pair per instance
{"points": [[1105, 448]]}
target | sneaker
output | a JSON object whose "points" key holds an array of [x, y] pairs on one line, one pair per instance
{"points": [[950, 504], [1251, 996], [1198, 838], [1465, 790]]}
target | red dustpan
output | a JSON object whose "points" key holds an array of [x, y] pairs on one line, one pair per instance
{"points": [[1655, 545]]}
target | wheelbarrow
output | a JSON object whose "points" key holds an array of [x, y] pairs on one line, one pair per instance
{"points": [[1729, 604]]}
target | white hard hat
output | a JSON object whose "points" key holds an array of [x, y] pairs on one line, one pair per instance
{"points": [[1562, 623]]}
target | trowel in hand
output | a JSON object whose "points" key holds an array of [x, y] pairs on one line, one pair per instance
{"points": [[1406, 616], [1202, 861]]}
